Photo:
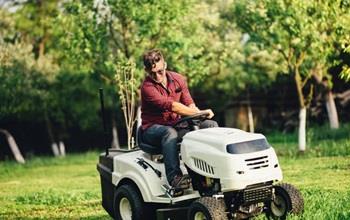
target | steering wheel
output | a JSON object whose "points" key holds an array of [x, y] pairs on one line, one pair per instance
{"points": [[192, 120]]}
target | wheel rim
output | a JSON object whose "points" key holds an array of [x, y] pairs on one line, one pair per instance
{"points": [[199, 216], [278, 206], [125, 209]]}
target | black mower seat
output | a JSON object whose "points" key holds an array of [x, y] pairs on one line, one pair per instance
{"points": [[146, 147]]}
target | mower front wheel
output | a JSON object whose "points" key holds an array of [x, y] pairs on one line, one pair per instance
{"points": [[207, 208], [286, 200], [128, 204]]}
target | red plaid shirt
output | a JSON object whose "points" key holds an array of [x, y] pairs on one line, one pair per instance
{"points": [[156, 100]]}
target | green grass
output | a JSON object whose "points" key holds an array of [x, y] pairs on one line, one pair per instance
{"points": [[51, 188], [69, 188], [321, 141]]}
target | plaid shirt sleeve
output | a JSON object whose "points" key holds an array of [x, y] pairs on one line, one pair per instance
{"points": [[186, 97]]}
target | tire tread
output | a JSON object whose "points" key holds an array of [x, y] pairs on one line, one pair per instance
{"points": [[215, 207], [297, 201], [136, 202]]}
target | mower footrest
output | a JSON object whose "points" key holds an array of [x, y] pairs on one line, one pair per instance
{"points": [[172, 192]]}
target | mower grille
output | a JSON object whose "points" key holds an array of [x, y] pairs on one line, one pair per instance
{"points": [[257, 162], [202, 165], [257, 194]]}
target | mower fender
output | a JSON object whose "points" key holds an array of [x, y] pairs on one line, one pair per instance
{"points": [[139, 182], [146, 181]]}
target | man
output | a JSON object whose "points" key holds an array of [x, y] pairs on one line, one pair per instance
{"points": [[165, 98]]}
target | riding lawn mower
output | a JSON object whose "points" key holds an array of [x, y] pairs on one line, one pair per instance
{"points": [[234, 175]]}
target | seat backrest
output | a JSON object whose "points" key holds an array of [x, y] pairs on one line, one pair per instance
{"points": [[139, 142], [146, 147]]}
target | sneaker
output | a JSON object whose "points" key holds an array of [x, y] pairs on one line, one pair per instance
{"points": [[181, 182]]}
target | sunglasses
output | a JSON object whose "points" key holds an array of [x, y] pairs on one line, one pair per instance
{"points": [[159, 72]]}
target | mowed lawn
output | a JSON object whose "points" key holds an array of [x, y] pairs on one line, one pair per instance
{"points": [[69, 188], [51, 188]]}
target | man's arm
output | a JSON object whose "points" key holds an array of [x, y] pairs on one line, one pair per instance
{"points": [[186, 97], [150, 95], [181, 109], [193, 106]]}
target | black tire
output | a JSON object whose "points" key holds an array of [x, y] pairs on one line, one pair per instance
{"points": [[128, 198], [287, 200], [209, 208]]}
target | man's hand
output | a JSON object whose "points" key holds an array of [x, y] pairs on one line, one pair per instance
{"points": [[210, 112]]}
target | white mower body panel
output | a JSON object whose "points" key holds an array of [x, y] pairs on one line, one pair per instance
{"points": [[205, 152], [147, 181]]}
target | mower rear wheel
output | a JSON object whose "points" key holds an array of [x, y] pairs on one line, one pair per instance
{"points": [[287, 200], [207, 208], [128, 204]]}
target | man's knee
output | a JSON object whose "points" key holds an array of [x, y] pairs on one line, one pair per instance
{"points": [[170, 133], [209, 124]]}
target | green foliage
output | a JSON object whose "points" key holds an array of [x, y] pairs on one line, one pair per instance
{"points": [[24, 86], [128, 95], [126, 82], [82, 105], [83, 46], [48, 85], [34, 21], [345, 73], [224, 49], [100, 34], [7, 27], [303, 33], [123, 30], [56, 54], [237, 65]]}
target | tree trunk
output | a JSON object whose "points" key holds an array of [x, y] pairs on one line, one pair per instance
{"points": [[130, 138], [302, 112], [343, 97], [115, 140], [302, 129], [138, 117], [55, 150], [329, 99], [13, 145], [250, 119], [62, 148], [54, 146], [41, 48], [332, 111]]}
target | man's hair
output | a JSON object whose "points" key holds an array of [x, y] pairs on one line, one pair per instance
{"points": [[151, 57]]}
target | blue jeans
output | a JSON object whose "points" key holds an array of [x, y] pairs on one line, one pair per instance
{"points": [[167, 138]]}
